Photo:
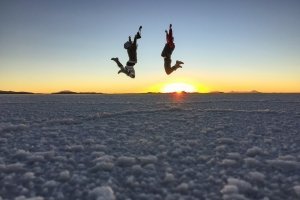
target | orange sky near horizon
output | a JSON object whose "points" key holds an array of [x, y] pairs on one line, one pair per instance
{"points": [[142, 86]]}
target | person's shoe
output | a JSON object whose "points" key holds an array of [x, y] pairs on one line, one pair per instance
{"points": [[138, 35], [179, 62], [178, 65], [115, 59]]}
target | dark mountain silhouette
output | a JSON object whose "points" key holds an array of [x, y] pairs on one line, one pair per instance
{"points": [[13, 92], [71, 92], [251, 92]]}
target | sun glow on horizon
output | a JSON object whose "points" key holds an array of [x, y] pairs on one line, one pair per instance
{"points": [[178, 88]]}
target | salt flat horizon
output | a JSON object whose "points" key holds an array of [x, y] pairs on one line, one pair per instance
{"points": [[96, 93]]}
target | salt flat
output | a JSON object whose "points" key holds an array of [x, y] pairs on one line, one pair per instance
{"points": [[150, 146]]}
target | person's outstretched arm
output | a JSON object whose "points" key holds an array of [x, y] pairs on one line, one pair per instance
{"points": [[170, 35], [170, 39], [170, 31], [167, 36]]}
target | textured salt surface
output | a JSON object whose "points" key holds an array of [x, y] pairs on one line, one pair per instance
{"points": [[150, 147]]}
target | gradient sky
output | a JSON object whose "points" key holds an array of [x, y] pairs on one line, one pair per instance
{"points": [[233, 45]]}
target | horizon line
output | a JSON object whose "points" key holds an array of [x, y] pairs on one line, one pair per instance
{"points": [[103, 93]]}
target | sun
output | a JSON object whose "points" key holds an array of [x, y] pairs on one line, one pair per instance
{"points": [[178, 87]]}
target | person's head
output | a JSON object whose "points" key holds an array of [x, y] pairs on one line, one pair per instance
{"points": [[130, 71], [131, 76]]}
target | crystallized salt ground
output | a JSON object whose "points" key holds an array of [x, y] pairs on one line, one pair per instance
{"points": [[109, 147]]}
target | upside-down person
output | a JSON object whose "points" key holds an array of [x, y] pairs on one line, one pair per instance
{"points": [[131, 48]]}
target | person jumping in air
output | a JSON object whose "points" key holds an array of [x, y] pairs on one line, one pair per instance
{"points": [[131, 48], [167, 52]]}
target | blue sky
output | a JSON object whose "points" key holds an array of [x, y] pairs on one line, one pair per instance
{"points": [[47, 46]]}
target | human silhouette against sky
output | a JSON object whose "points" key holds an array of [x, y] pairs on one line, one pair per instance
{"points": [[167, 52], [132, 54]]}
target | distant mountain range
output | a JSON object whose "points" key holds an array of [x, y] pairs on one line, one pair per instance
{"points": [[236, 92], [252, 91], [13, 92], [61, 92], [71, 92]]}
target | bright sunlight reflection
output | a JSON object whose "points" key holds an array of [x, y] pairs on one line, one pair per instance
{"points": [[178, 87]]}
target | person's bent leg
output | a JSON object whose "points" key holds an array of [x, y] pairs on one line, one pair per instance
{"points": [[167, 51], [167, 64], [118, 62]]}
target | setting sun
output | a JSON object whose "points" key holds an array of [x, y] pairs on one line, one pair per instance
{"points": [[178, 87]]}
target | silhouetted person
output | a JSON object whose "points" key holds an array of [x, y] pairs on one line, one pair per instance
{"points": [[131, 50], [167, 52]]}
